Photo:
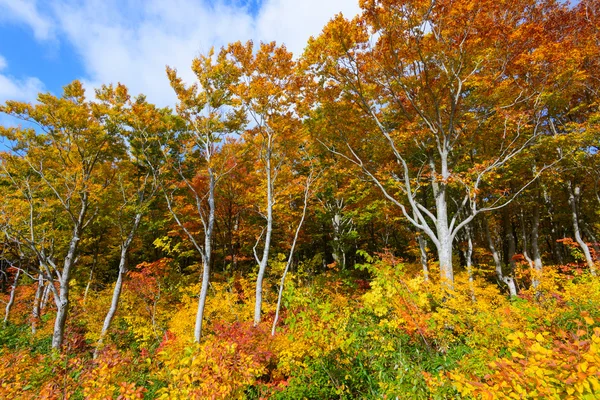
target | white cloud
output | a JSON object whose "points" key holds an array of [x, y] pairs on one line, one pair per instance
{"points": [[12, 88], [292, 22], [19, 89], [131, 41], [26, 11]]}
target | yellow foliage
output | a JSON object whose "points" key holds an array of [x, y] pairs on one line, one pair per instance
{"points": [[217, 368], [106, 380]]}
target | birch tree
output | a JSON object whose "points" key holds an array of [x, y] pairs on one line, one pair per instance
{"points": [[267, 88], [136, 178], [208, 109], [70, 154], [433, 86]]}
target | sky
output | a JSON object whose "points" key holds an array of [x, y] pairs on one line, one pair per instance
{"points": [[45, 44]]}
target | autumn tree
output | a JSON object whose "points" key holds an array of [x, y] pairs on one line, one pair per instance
{"points": [[435, 92], [136, 179], [70, 154], [210, 114], [268, 86]]}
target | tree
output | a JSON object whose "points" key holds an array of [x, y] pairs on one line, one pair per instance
{"points": [[136, 176], [71, 155], [267, 88], [208, 109], [436, 86]]}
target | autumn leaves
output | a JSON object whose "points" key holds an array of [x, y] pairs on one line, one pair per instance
{"points": [[429, 113]]}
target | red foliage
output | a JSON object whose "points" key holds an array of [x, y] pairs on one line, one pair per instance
{"points": [[249, 339]]}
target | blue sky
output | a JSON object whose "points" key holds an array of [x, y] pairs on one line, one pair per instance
{"points": [[45, 44]]}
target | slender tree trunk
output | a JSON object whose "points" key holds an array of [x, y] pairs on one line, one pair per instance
{"points": [[574, 194], [11, 299], [553, 232], [511, 247], [114, 305], [62, 302], [291, 254], [595, 245], [469, 257], [535, 249], [91, 277], [338, 251], [423, 250], [89, 283], [45, 296], [524, 239], [269, 229], [36, 311], [507, 280], [206, 259], [532, 267]]}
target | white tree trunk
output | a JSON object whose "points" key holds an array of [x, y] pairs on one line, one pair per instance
{"points": [[291, 254], [507, 280], [114, 304], [553, 232], [45, 296], [423, 250], [469, 257], [574, 194], [524, 239], [206, 259], [11, 299], [35, 313], [62, 302], [535, 249], [444, 234], [262, 263], [91, 277]]}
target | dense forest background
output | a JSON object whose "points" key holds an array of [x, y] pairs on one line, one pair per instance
{"points": [[408, 209]]}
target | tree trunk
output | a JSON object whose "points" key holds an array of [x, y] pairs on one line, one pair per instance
{"points": [[445, 239], [114, 304], [595, 245], [45, 296], [511, 247], [35, 313], [532, 268], [89, 283], [507, 280], [206, 259], [62, 302], [574, 194], [423, 250], [444, 235], [91, 277], [11, 299], [291, 254], [553, 233], [262, 265], [469, 257], [62, 307], [535, 250], [445, 258]]}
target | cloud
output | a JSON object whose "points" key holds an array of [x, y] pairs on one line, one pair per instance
{"points": [[26, 12], [12, 88], [292, 22], [131, 41]]}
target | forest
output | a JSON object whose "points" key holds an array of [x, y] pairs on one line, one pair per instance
{"points": [[408, 209]]}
